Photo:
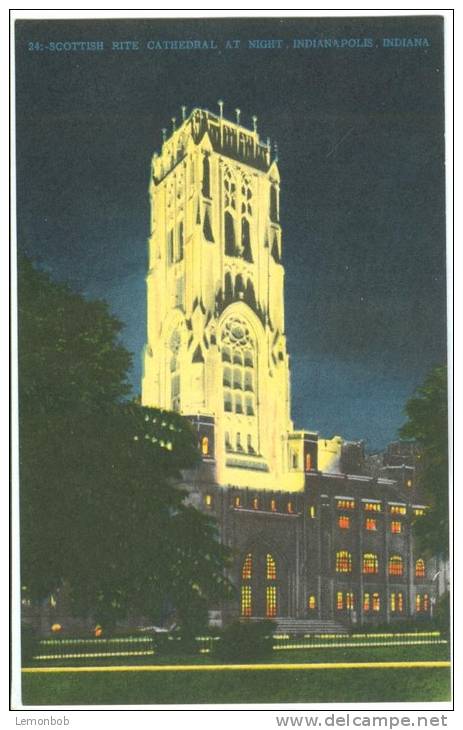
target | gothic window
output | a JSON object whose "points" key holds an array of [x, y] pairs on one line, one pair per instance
{"points": [[230, 212], [246, 601], [396, 527], [239, 446], [271, 611], [207, 228], [247, 567], [371, 524], [273, 203], [376, 602], [229, 225], [396, 565], [205, 446], [396, 602], [370, 563], [170, 246], [206, 177], [249, 444], [246, 240], [420, 568], [237, 349], [343, 562], [344, 522], [228, 445], [312, 603]]}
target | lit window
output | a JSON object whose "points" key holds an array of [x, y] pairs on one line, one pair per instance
{"points": [[397, 602], [205, 446], [344, 522], [237, 502], [425, 602], [290, 508], [366, 602], [398, 509], [255, 503], [246, 573], [370, 563], [350, 601], [372, 506], [246, 601], [420, 568], [343, 562], [375, 602], [273, 505], [396, 565], [371, 523], [312, 603], [308, 462], [409, 482], [271, 568], [312, 511], [208, 500], [271, 601], [345, 504], [418, 511], [396, 527], [418, 603], [339, 601]]}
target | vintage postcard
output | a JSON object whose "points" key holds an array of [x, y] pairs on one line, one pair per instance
{"points": [[232, 362]]}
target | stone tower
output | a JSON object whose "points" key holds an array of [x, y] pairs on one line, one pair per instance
{"points": [[216, 346]]}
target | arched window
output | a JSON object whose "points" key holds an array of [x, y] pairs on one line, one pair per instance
{"points": [[237, 345], [343, 561], [271, 567], [246, 240], [273, 203], [230, 212], [376, 602], [312, 603], [397, 602], [205, 446], [420, 568], [246, 600], [246, 573], [206, 177], [370, 563], [229, 225], [396, 565]]}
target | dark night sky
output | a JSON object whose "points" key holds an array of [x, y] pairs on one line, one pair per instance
{"points": [[361, 156]]}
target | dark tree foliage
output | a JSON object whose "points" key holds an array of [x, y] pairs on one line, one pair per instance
{"points": [[427, 423], [102, 507]]}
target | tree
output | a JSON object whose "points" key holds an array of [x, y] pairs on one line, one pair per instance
{"points": [[103, 510], [427, 423]]}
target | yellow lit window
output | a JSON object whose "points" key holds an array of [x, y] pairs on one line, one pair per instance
{"points": [[271, 568], [308, 462], [344, 522], [312, 602], [273, 505], [371, 523], [398, 509], [420, 568], [375, 602], [372, 506], [350, 601], [396, 565], [290, 508], [339, 601], [343, 562], [370, 563], [246, 573], [366, 602], [208, 500], [246, 601], [397, 602], [205, 446], [418, 512], [237, 502], [312, 511], [345, 504], [271, 601], [409, 482], [418, 605], [396, 527], [255, 503], [425, 602]]}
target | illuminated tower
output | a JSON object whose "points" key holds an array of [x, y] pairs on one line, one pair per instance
{"points": [[216, 345]]}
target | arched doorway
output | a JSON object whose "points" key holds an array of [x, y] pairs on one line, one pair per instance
{"points": [[262, 589]]}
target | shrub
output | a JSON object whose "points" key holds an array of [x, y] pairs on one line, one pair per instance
{"points": [[246, 641]]}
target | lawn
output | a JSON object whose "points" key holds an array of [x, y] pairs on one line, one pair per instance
{"points": [[254, 685]]}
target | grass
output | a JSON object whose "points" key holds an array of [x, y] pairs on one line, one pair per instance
{"points": [[253, 686]]}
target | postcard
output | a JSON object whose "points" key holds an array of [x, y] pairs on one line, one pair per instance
{"points": [[232, 362]]}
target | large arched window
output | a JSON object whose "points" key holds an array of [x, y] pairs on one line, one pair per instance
{"points": [[259, 585], [370, 563], [396, 565], [343, 561], [230, 213], [206, 177], [238, 359], [420, 568]]}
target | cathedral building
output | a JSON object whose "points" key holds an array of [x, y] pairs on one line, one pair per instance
{"points": [[314, 536]]}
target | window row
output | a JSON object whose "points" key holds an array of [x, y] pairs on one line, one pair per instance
{"points": [[370, 564], [238, 445], [237, 379], [234, 402], [371, 524], [394, 509], [256, 503]]}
